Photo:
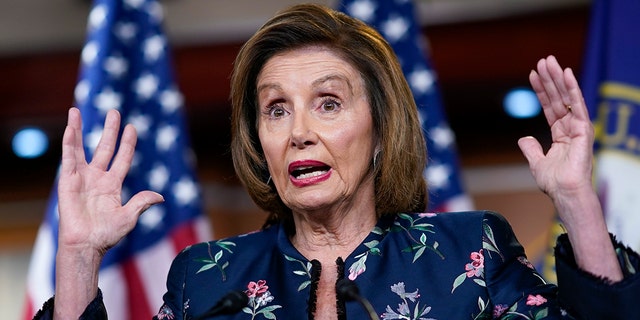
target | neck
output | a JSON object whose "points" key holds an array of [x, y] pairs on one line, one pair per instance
{"points": [[325, 237]]}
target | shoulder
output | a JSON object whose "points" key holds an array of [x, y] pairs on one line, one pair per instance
{"points": [[463, 219], [257, 241]]}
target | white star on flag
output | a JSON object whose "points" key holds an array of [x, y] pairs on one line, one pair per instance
{"points": [[97, 17], [158, 177], [108, 99], [125, 31], [146, 85], [362, 9], [92, 138], [171, 100], [141, 123], [395, 28], [442, 136], [185, 191], [153, 48], [152, 218], [166, 137], [421, 81], [89, 53], [81, 92], [437, 175], [116, 66]]}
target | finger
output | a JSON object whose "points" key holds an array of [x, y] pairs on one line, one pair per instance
{"points": [[531, 149], [541, 93], [547, 71], [122, 161], [557, 75], [142, 200], [72, 149], [104, 151], [578, 106]]}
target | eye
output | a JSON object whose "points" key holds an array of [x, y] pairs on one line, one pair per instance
{"points": [[329, 104], [276, 111]]}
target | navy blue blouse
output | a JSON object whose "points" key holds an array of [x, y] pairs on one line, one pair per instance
{"points": [[411, 266]]}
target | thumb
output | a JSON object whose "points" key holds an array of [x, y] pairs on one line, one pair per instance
{"points": [[531, 149], [142, 200]]}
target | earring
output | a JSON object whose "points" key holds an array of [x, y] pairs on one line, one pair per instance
{"points": [[375, 157], [269, 180]]}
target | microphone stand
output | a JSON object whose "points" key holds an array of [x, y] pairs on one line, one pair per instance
{"points": [[348, 290], [230, 303]]}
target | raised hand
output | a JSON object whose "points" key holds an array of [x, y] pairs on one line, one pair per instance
{"points": [[566, 167], [89, 194], [564, 172], [92, 216]]}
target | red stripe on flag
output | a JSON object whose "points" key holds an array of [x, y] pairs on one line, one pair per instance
{"points": [[184, 235], [28, 308], [138, 305]]}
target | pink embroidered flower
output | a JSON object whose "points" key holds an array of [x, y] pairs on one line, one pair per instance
{"points": [[499, 309], [476, 267], [525, 262], [427, 214], [255, 289], [535, 300]]}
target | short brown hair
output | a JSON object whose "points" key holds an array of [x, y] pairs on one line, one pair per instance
{"points": [[399, 185]]}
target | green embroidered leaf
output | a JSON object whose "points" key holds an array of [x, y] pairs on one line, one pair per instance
{"points": [[372, 243], [225, 265], [541, 314], [435, 245], [406, 217], [480, 282], [269, 315], [290, 258], [418, 254], [247, 310], [217, 256], [226, 245], [377, 230], [206, 267], [481, 304], [300, 272], [423, 238], [204, 260], [304, 285], [270, 308], [375, 251], [458, 281]]}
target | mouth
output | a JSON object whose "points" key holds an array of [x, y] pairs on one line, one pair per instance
{"points": [[308, 171]]}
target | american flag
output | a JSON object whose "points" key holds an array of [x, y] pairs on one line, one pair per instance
{"points": [[396, 21], [125, 65]]}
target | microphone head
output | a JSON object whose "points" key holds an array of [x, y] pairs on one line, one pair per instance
{"points": [[347, 289], [234, 301]]}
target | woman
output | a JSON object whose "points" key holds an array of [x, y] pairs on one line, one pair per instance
{"points": [[327, 140]]}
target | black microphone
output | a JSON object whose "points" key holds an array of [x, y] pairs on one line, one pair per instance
{"points": [[230, 303], [348, 290]]}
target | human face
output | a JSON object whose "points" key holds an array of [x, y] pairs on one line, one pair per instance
{"points": [[316, 130]]}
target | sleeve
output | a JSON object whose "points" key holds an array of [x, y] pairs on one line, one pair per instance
{"points": [[173, 300], [590, 297], [515, 287], [94, 311]]}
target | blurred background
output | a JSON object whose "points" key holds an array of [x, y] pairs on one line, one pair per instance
{"points": [[480, 49]]}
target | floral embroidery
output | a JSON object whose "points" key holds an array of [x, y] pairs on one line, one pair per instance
{"points": [[403, 311], [305, 271], [525, 262], [259, 296], [535, 300], [499, 309], [475, 270], [420, 245], [215, 260], [358, 267], [165, 313], [476, 267]]}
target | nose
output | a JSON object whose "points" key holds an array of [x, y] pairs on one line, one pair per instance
{"points": [[302, 133]]}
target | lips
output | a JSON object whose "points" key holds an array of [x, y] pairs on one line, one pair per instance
{"points": [[308, 172]]}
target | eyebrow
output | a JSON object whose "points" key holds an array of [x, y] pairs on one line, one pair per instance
{"points": [[315, 83], [332, 77]]}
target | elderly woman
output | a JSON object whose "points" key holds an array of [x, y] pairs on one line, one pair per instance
{"points": [[326, 138]]}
